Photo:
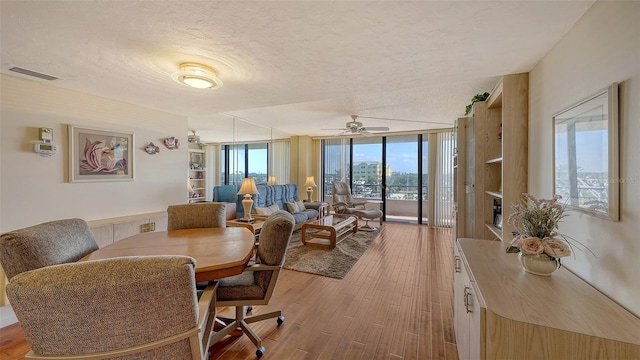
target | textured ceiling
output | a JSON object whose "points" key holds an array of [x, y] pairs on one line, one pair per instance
{"points": [[297, 67]]}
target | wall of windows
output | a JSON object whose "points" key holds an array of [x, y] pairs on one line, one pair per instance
{"points": [[396, 170]]}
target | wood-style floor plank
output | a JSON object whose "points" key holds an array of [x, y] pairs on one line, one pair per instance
{"points": [[395, 303]]}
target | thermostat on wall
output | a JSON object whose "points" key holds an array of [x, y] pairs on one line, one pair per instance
{"points": [[45, 149]]}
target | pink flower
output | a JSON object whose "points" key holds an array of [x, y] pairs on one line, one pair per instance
{"points": [[531, 245], [556, 248]]}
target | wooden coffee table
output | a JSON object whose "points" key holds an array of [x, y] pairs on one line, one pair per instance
{"points": [[329, 230]]}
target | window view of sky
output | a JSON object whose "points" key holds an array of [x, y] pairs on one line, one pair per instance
{"points": [[403, 157]]}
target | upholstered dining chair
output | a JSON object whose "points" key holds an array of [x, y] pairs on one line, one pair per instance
{"points": [[125, 308], [344, 203], [256, 284], [46, 244], [198, 215]]}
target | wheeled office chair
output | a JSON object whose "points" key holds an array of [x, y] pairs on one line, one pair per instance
{"points": [[256, 284], [125, 308]]}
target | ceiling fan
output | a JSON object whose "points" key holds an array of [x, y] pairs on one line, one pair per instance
{"points": [[355, 127]]}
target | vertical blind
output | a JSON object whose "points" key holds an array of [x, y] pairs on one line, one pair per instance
{"points": [[444, 181], [281, 158]]}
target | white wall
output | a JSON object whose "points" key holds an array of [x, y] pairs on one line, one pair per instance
{"points": [[35, 189], [602, 48]]}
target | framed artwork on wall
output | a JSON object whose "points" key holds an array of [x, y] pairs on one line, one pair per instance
{"points": [[100, 155], [586, 145]]}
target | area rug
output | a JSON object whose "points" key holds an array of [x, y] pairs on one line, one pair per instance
{"points": [[334, 263]]}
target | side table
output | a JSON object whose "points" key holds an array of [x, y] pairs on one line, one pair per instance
{"points": [[254, 227]]}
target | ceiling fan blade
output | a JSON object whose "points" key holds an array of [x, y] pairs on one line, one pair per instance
{"points": [[364, 132], [376, 128]]}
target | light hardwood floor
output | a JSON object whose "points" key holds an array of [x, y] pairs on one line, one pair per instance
{"points": [[395, 303]]}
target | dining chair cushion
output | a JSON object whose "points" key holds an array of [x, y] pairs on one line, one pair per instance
{"points": [[194, 216], [46, 244], [240, 287]]}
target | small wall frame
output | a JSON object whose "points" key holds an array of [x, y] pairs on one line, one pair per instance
{"points": [[586, 160]]}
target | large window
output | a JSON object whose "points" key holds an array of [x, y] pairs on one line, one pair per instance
{"points": [[367, 168], [255, 160], [257, 163], [402, 182]]}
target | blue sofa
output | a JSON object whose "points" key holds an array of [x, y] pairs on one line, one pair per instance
{"points": [[268, 195]]}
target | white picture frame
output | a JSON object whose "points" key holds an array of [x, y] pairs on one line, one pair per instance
{"points": [[586, 159], [100, 155]]}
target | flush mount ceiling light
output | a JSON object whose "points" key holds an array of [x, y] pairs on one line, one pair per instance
{"points": [[197, 76]]}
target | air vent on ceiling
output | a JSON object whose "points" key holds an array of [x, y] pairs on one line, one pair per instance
{"points": [[32, 73]]}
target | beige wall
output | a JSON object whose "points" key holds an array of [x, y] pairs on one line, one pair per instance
{"points": [[602, 48], [35, 189]]}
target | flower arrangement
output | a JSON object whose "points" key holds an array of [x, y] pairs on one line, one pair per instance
{"points": [[536, 222]]}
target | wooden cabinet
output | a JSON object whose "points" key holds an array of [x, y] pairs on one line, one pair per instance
{"points": [[467, 312], [197, 176], [516, 315], [496, 143]]}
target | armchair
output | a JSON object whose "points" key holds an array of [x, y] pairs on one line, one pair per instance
{"points": [[343, 200], [344, 203]]}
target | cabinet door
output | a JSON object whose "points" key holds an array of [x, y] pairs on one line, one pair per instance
{"points": [[460, 315], [470, 181], [474, 323]]}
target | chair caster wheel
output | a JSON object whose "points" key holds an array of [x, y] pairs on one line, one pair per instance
{"points": [[249, 309], [280, 320], [260, 352]]}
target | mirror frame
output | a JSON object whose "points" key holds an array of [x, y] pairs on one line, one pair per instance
{"points": [[602, 105]]}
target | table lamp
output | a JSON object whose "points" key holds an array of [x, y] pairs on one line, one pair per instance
{"points": [[247, 188], [272, 181], [310, 184]]}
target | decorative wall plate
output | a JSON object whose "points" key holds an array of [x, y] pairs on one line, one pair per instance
{"points": [[172, 143], [152, 149]]}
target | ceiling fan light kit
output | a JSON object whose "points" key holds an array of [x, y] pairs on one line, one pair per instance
{"points": [[197, 76]]}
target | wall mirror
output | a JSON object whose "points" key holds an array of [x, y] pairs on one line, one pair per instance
{"points": [[586, 154]]}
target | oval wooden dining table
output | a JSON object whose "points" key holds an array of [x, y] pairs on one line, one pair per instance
{"points": [[219, 252]]}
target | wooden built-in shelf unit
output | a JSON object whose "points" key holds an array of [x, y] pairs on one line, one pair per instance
{"points": [[495, 141]]}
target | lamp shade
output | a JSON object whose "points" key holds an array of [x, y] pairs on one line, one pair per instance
{"points": [[310, 182], [248, 187]]}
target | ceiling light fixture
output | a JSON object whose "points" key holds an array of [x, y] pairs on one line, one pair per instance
{"points": [[197, 76]]}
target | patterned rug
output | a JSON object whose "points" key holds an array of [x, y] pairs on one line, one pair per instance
{"points": [[334, 263]]}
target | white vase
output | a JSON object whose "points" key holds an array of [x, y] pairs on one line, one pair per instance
{"points": [[539, 264]]}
